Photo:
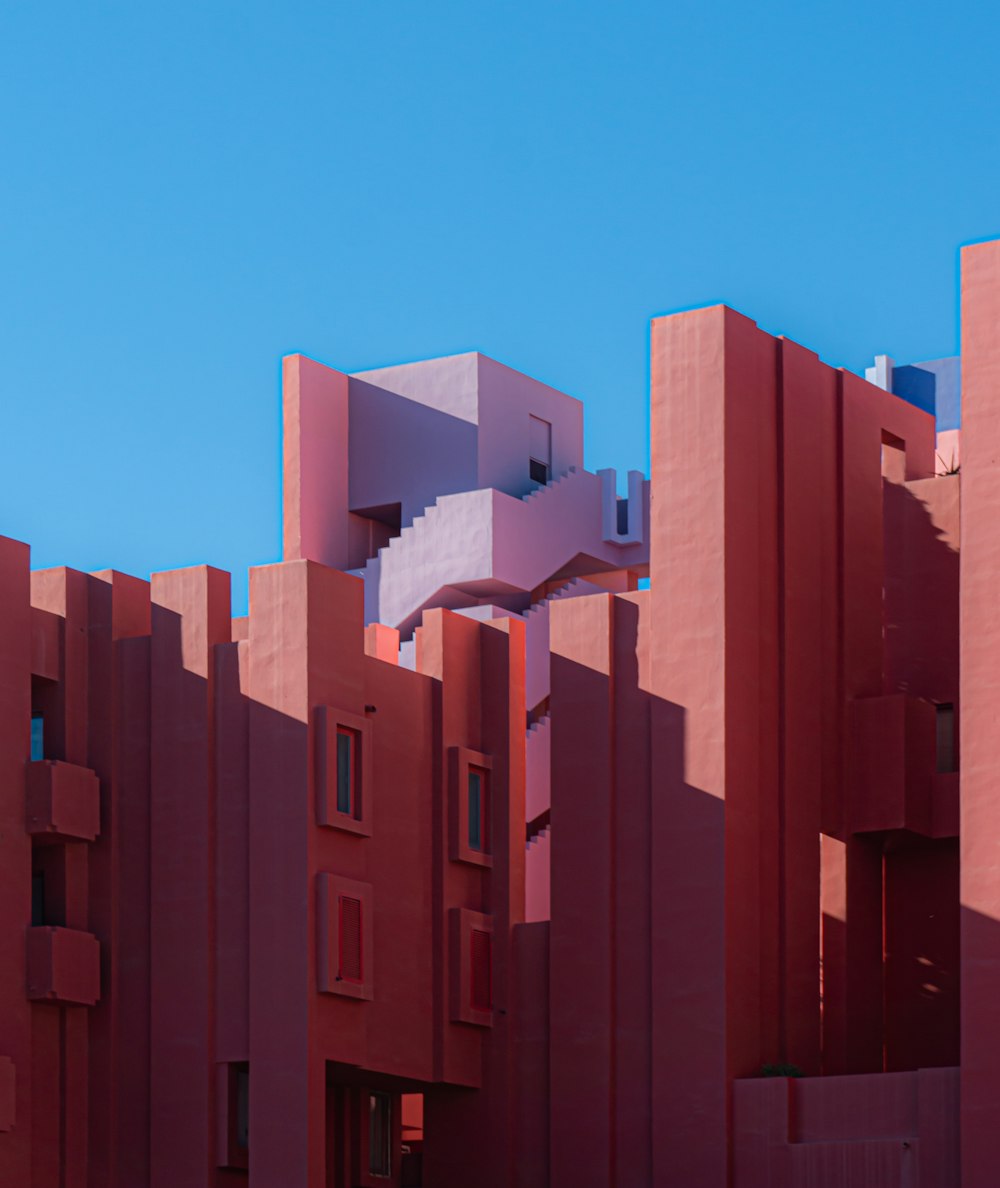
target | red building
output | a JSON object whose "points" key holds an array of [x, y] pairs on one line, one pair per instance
{"points": [[540, 894]]}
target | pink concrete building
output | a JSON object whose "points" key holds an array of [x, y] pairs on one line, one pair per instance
{"points": [[464, 861]]}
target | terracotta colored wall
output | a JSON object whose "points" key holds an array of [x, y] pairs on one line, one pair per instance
{"points": [[980, 684]]}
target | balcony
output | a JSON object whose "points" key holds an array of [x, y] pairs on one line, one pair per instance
{"points": [[891, 764], [63, 801], [64, 966]]}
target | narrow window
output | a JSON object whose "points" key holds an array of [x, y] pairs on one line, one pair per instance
{"points": [[37, 737], [481, 981], [478, 811], [539, 449], [350, 969], [946, 737], [379, 1134], [243, 1107], [347, 772], [893, 458], [538, 471], [37, 899]]}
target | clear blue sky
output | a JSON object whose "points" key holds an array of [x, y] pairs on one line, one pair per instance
{"points": [[191, 190]]}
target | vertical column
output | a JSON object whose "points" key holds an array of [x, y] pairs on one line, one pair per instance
{"points": [[306, 649], [131, 1088], [630, 794], [713, 656], [810, 698], [191, 614], [581, 962], [117, 607], [62, 1034], [315, 474], [15, 852], [980, 697]]}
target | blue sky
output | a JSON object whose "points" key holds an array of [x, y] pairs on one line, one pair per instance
{"points": [[191, 191]]}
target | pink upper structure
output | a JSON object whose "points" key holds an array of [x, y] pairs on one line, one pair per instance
{"points": [[452, 482]]}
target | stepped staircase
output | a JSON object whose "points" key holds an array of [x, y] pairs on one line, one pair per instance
{"points": [[468, 546]]}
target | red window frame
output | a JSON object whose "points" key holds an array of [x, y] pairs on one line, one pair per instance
{"points": [[463, 924], [345, 958], [462, 763], [331, 891], [331, 725]]}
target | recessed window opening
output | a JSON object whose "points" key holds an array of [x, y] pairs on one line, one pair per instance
{"points": [[946, 737], [351, 957], [893, 458], [348, 800], [243, 1107], [38, 914], [478, 811], [481, 980], [538, 471], [379, 1134], [37, 737], [539, 450]]}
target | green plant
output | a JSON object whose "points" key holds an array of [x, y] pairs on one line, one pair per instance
{"points": [[781, 1070], [952, 467]]}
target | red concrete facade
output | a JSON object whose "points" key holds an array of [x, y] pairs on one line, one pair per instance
{"points": [[264, 889]]}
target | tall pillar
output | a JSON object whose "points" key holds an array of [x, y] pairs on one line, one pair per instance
{"points": [[190, 615], [15, 864], [980, 699], [315, 456], [714, 678]]}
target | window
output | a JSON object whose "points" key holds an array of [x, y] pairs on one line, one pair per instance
{"points": [[472, 793], [379, 1134], [470, 973], [347, 768], [350, 966], [345, 943], [37, 737], [243, 1107], [478, 811], [538, 471], [893, 457], [233, 1104], [946, 737], [38, 918], [481, 973], [343, 770], [539, 450]]}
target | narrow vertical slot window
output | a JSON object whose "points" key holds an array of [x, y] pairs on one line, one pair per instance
{"points": [[38, 916], [379, 1134], [946, 737], [539, 450], [243, 1107], [347, 772], [481, 980], [37, 737], [478, 811], [351, 956]]}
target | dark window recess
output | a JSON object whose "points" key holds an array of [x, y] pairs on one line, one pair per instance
{"points": [[350, 939], [481, 981], [38, 918], [478, 811], [622, 510], [946, 737], [37, 737], [538, 471], [347, 772], [379, 1134], [243, 1108]]}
